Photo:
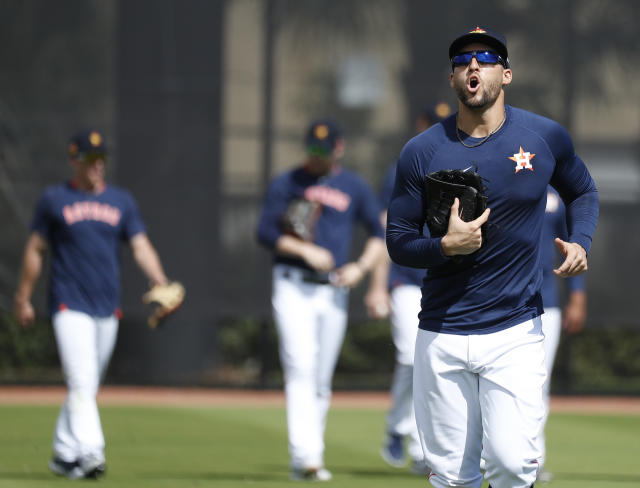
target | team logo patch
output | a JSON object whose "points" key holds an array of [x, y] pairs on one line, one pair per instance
{"points": [[95, 139], [321, 131], [478, 30], [523, 160]]}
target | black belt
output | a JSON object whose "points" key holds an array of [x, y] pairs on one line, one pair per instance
{"points": [[309, 276]]}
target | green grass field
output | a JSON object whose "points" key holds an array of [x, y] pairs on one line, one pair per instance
{"points": [[233, 447]]}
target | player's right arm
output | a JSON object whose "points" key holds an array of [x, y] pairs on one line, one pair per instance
{"points": [[406, 216], [31, 269], [377, 298], [270, 234], [319, 258]]}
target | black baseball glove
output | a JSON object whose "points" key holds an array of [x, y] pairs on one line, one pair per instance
{"points": [[443, 187], [300, 218]]}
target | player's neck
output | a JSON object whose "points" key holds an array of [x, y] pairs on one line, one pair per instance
{"points": [[317, 168], [88, 186], [482, 122]]}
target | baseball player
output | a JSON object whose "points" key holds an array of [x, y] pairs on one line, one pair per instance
{"points": [[395, 289], [479, 360], [311, 280], [83, 221], [553, 319]]}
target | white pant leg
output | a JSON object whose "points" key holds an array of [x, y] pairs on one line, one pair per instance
{"points": [[447, 408], [85, 345], [311, 321], [480, 392], [331, 304], [551, 327], [405, 306], [512, 374]]}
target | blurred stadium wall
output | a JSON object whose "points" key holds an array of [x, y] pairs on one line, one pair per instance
{"points": [[203, 101]]}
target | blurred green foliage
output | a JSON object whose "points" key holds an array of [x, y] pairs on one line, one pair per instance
{"points": [[602, 360], [27, 355]]}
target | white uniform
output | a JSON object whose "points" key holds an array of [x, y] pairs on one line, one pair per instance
{"points": [[85, 345], [456, 371], [405, 305], [311, 320], [310, 312]]}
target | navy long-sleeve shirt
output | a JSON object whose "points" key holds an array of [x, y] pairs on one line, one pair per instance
{"points": [[345, 198], [497, 286]]}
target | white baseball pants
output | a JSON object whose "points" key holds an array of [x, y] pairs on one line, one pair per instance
{"points": [[401, 420], [481, 394], [311, 320], [85, 345], [551, 327]]}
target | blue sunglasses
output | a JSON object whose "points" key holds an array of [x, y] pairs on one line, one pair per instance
{"points": [[483, 57]]}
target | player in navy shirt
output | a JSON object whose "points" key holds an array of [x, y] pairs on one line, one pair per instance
{"points": [[83, 222], [572, 318], [311, 278], [395, 290], [479, 364]]}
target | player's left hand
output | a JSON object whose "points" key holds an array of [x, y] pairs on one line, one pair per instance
{"points": [[575, 261], [575, 312], [24, 313], [348, 275], [377, 301]]}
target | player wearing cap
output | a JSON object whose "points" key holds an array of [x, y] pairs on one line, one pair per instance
{"points": [[395, 290], [479, 361], [554, 320], [312, 275], [83, 222]]}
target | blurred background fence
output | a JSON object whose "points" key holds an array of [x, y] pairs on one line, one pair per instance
{"points": [[203, 101]]}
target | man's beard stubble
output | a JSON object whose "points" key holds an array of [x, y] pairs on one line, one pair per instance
{"points": [[490, 93]]}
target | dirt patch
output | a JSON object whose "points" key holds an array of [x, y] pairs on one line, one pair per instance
{"points": [[161, 396]]}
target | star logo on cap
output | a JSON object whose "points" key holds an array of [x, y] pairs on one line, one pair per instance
{"points": [[95, 139], [321, 131], [478, 30], [522, 160]]}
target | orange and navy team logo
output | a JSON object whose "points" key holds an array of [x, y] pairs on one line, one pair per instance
{"points": [[523, 160], [321, 131], [95, 139], [478, 30]]}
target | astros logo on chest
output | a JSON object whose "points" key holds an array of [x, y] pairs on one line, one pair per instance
{"points": [[328, 196], [523, 160], [82, 211]]}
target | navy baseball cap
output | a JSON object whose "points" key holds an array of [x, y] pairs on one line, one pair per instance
{"points": [[491, 38], [322, 136], [436, 112], [87, 144]]}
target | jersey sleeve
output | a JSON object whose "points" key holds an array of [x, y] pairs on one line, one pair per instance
{"points": [[42, 220], [574, 283], [132, 223], [387, 186], [576, 188], [405, 219], [369, 211], [274, 205]]}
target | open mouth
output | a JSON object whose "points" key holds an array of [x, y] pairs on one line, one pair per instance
{"points": [[473, 83]]}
